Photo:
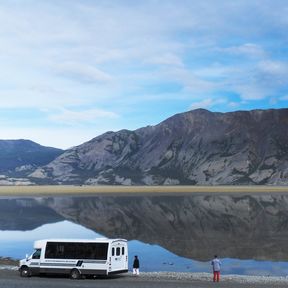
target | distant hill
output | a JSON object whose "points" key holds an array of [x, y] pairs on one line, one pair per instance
{"points": [[197, 147], [20, 157]]}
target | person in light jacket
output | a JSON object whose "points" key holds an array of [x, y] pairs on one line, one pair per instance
{"points": [[216, 264], [136, 265]]}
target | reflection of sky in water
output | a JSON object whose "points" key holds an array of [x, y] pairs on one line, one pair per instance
{"points": [[155, 258], [16, 244], [252, 267]]}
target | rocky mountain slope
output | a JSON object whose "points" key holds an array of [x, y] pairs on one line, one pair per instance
{"points": [[197, 147]]}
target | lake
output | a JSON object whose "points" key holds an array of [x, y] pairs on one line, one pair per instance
{"points": [[175, 232]]}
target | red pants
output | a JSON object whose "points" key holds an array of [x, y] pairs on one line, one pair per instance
{"points": [[216, 276]]}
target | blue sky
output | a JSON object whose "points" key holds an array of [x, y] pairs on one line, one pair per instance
{"points": [[72, 70]]}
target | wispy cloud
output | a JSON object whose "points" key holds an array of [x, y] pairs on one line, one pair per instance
{"points": [[166, 59], [208, 103], [81, 117], [247, 49], [83, 72]]}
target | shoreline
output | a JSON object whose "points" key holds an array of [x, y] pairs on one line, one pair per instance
{"points": [[11, 264], [207, 277], [62, 190], [190, 276], [7, 263]]}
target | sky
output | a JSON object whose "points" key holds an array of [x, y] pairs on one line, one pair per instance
{"points": [[72, 70]]}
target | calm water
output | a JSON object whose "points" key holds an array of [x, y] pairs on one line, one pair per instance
{"points": [[168, 233]]}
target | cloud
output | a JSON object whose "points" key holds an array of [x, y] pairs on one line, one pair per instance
{"points": [[190, 81], [247, 49], [259, 79], [284, 98], [166, 59], [263, 81], [251, 92], [274, 68], [83, 72], [80, 117], [208, 103], [40, 96]]}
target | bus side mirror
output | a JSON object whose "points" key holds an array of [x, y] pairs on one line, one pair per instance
{"points": [[27, 257]]}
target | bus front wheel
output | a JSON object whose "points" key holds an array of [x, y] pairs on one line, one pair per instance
{"points": [[75, 274], [25, 272]]}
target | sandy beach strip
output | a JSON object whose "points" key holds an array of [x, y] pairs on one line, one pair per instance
{"points": [[54, 190]]}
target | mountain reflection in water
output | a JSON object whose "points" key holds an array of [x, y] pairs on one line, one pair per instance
{"points": [[191, 226]]}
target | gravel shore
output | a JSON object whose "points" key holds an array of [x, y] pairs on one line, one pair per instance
{"points": [[206, 277], [199, 277]]}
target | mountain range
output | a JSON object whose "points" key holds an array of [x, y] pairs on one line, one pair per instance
{"points": [[198, 147]]}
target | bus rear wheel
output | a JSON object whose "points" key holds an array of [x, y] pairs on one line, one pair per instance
{"points": [[75, 274], [25, 272]]}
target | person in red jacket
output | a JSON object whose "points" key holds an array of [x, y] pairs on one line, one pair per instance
{"points": [[216, 264]]}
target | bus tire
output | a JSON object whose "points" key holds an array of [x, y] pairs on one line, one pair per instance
{"points": [[25, 272], [75, 274]]}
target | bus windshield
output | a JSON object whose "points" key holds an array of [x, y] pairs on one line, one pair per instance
{"points": [[36, 254]]}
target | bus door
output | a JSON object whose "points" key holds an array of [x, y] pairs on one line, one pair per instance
{"points": [[35, 262], [118, 257]]}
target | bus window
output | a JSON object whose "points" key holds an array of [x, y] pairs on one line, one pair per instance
{"points": [[77, 250], [118, 251], [123, 250], [113, 251]]}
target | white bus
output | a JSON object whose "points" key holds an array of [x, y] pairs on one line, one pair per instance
{"points": [[76, 257]]}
